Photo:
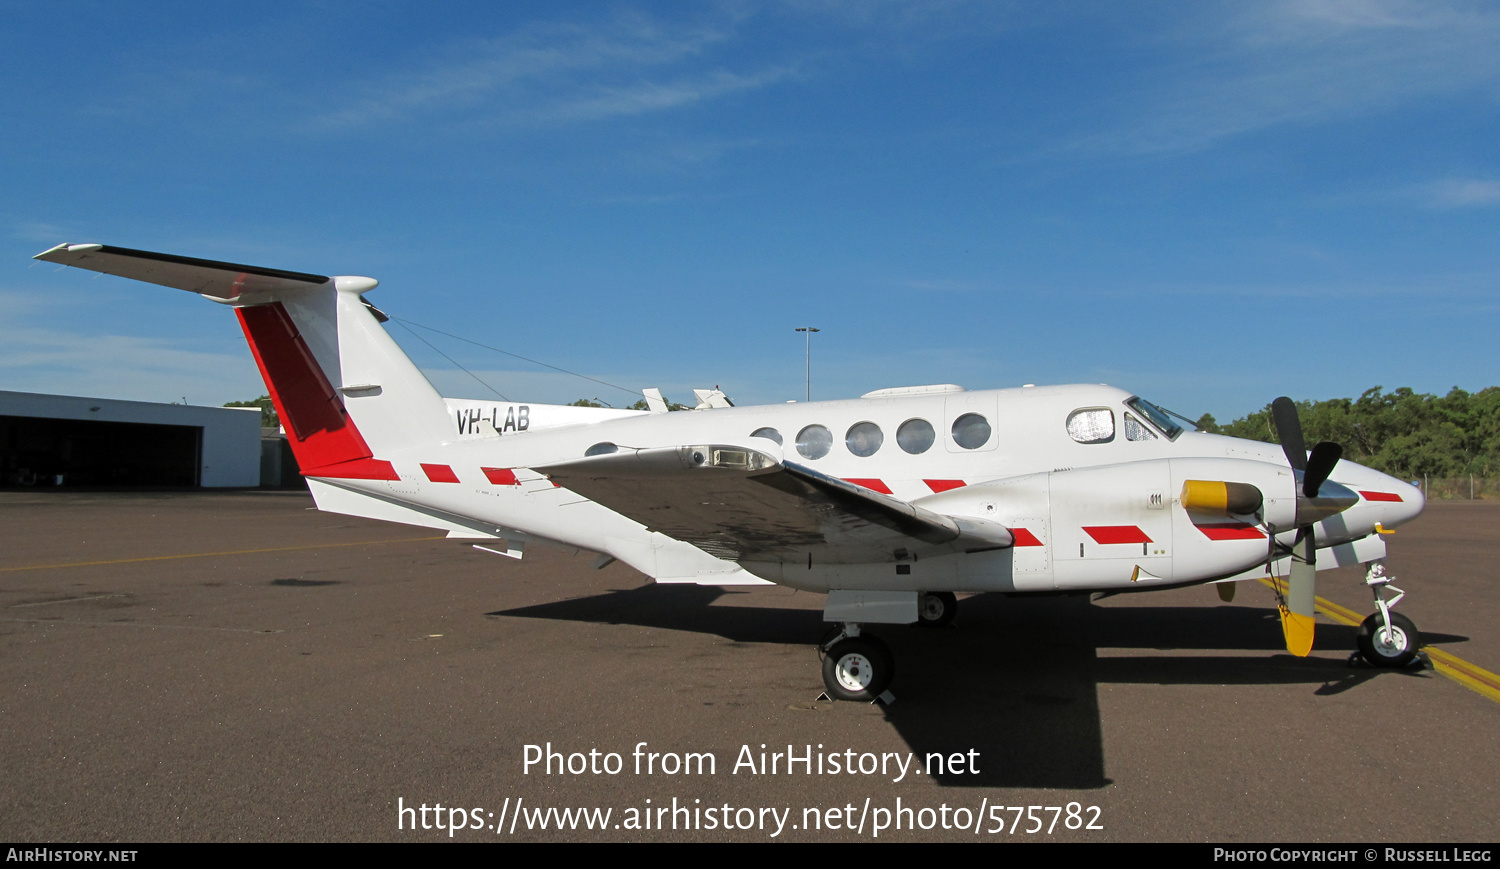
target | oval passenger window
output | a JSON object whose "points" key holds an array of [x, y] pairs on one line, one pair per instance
{"points": [[915, 436], [814, 442], [971, 431], [864, 438]]}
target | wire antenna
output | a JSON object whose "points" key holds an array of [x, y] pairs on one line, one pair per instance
{"points": [[405, 323]]}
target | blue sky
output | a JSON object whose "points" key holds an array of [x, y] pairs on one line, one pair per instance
{"points": [[1208, 204]]}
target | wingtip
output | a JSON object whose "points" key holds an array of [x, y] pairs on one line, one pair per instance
{"points": [[69, 248]]}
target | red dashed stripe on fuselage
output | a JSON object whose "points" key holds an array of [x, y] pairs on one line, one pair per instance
{"points": [[1116, 534], [1231, 531], [439, 473], [501, 476]]}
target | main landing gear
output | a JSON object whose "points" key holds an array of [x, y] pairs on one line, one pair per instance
{"points": [[936, 609], [856, 667], [1387, 639]]}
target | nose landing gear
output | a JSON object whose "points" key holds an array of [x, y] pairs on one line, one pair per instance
{"points": [[1387, 639]]}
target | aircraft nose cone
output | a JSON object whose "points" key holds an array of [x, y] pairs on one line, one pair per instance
{"points": [[1413, 501], [1393, 513]]}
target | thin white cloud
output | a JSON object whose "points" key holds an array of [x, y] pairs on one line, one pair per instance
{"points": [[1301, 62], [556, 74], [1462, 193], [41, 233], [115, 366], [657, 96]]}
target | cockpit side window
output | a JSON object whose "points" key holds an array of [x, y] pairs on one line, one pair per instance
{"points": [[1135, 430], [1092, 425], [1158, 417]]}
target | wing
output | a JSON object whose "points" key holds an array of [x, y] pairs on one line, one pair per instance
{"points": [[740, 504], [219, 280]]}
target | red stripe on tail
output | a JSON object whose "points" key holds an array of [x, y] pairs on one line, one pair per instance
{"points": [[322, 436]]}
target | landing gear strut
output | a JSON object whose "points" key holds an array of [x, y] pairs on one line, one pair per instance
{"points": [[1387, 639], [856, 667]]}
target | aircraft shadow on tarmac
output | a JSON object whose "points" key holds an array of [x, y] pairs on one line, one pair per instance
{"points": [[1014, 678]]}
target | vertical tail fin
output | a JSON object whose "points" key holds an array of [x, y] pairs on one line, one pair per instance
{"points": [[345, 392]]}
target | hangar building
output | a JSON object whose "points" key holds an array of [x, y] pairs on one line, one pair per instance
{"points": [[62, 440]]}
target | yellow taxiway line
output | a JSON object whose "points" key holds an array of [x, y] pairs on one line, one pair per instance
{"points": [[1473, 677], [211, 554]]}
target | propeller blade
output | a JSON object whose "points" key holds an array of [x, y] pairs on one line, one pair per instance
{"points": [[1226, 590], [1289, 431], [1297, 614], [1319, 465]]}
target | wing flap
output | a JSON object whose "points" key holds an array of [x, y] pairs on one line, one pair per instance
{"points": [[740, 504]]}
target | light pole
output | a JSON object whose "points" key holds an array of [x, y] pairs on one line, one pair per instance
{"points": [[809, 330]]}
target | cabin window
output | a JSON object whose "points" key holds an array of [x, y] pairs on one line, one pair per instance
{"points": [[864, 438], [1092, 425], [767, 433], [814, 442], [971, 431], [1135, 430], [915, 436]]}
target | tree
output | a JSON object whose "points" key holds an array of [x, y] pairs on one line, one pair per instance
{"points": [[1402, 432], [267, 410]]}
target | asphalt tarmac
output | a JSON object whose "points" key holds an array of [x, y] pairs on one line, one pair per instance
{"points": [[240, 667]]}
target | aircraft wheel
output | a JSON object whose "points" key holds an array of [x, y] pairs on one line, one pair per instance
{"points": [[936, 609], [1395, 648], [858, 668]]}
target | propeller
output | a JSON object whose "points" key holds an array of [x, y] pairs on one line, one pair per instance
{"points": [[1317, 500]]}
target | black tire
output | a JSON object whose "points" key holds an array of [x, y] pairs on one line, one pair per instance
{"points": [[858, 668], [1405, 641], [936, 609]]}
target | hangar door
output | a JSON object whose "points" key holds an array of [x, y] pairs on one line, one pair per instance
{"points": [[37, 451]]}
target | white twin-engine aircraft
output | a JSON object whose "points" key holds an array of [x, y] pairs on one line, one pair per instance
{"points": [[889, 503]]}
